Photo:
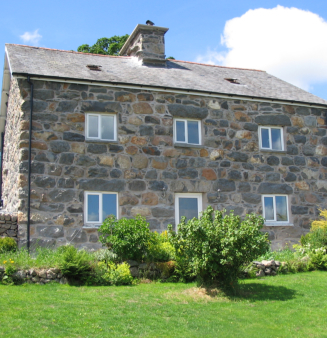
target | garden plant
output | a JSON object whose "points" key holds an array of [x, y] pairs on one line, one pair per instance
{"points": [[215, 246]]}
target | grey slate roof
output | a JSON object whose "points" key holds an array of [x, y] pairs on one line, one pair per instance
{"points": [[177, 74]]}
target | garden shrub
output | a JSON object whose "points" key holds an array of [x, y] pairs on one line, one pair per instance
{"points": [[74, 263], [322, 223], [216, 246], [167, 268], [110, 274], [159, 248], [316, 238], [319, 258], [10, 269], [127, 238], [7, 244], [119, 274], [105, 255], [183, 271]]}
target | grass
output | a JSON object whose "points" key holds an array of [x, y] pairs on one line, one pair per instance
{"points": [[281, 306]]}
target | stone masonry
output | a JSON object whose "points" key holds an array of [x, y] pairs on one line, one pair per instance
{"points": [[8, 226], [145, 167]]}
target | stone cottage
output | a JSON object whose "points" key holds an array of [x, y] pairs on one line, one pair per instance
{"points": [[140, 134]]}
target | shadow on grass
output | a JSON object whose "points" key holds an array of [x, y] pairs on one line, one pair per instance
{"points": [[261, 292]]}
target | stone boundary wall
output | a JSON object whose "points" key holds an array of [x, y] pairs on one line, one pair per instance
{"points": [[37, 276], [8, 226], [268, 267]]}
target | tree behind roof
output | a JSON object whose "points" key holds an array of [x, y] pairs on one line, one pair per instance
{"points": [[105, 46]]}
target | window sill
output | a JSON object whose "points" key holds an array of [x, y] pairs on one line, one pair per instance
{"points": [[188, 145], [99, 141], [278, 224], [273, 151], [91, 226]]}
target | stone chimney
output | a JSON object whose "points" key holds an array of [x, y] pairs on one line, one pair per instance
{"points": [[147, 43]]}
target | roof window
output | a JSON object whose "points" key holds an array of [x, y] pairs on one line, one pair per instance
{"points": [[94, 67], [233, 81]]}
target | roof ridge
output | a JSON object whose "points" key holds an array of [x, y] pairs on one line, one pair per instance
{"points": [[68, 51], [206, 64], [128, 57]]}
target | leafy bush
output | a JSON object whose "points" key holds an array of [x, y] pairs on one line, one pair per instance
{"points": [[105, 255], [216, 246], [74, 263], [167, 268], [127, 238], [119, 274], [316, 238], [319, 258], [110, 274], [7, 244], [159, 248], [322, 223]]}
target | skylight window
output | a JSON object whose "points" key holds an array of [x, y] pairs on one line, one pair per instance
{"points": [[233, 81], [94, 67]]}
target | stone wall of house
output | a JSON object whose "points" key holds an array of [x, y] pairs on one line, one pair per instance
{"points": [[11, 151], [145, 167]]}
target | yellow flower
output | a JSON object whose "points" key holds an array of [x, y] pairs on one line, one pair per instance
{"points": [[4, 262]]}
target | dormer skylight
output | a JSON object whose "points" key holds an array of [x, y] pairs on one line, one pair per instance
{"points": [[94, 67], [233, 81]]}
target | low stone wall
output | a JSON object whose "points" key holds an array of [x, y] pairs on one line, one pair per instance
{"points": [[36, 276], [268, 268], [8, 226], [144, 270]]}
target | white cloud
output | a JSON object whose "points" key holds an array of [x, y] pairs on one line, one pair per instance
{"points": [[289, 43], [31, 37]]}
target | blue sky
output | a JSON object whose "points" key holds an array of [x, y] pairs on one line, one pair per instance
{"points": [[287, 41]]}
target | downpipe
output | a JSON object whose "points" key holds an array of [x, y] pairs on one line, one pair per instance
{"points": [[29, 167]]}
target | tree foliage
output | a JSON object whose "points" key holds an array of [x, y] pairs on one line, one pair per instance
{"points": [[105, 46]]}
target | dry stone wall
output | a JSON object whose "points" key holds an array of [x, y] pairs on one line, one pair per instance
{"points": [[8, 226], [147, 169]]}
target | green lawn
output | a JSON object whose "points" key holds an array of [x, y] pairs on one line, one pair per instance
{"points": [[281, 306]]}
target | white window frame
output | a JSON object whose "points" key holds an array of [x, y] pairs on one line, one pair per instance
{"points": [[186, 195], [100, 194], [99, 116], [270, 143], [274, 221], [186, 131]]}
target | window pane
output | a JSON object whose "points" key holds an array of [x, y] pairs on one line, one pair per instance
{"points": [[107, 127], [188, 207], [276, 139], [265, 138], [281, 208], [93, 208], [93, 126], [180, 131], [109, 205], [269, 208], [193, 132]]}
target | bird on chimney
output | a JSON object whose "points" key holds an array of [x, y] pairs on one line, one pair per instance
{"points": [[149, 23]]}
